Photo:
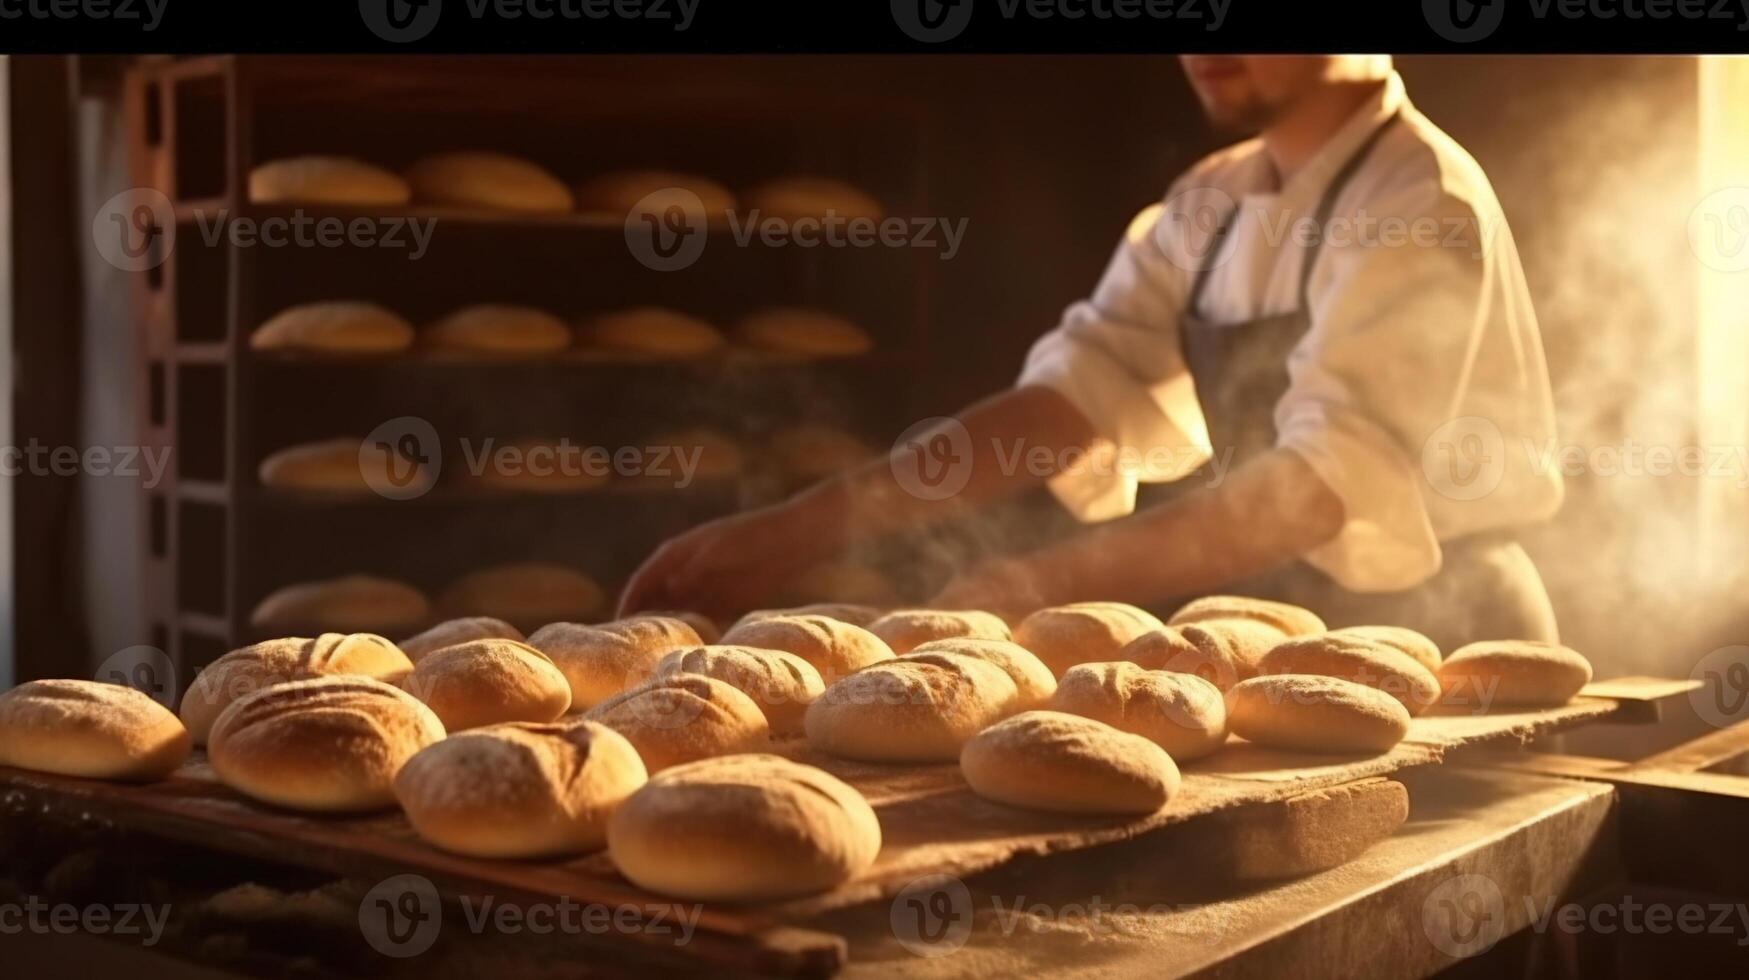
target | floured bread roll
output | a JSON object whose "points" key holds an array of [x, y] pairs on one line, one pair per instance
{"points": [[545, 466], [1360, 660], [601, 661], [486, 180], [1248, 640], [782, 684], [1181, 713], [912, 709], [809, 453], [842, 584], [260, 666], [453, 631], [526, 595], [620, 193], [683, 718], [1048, 760], [845, 612], [904, 630], [489, 682], [1291, 620], [741, 829], [795, 198], [650, 331], [1309, 713], [332, 466], [1083, 632], [1032, 679], [1189, 649], [326, 180], [703, 625], [90, 730], [1518, 673], [520, 790], [1402, 639], [803, 332], [339, 327], [327, 745], [349, 604], [497, 328], [701, 453], [834, 647]]}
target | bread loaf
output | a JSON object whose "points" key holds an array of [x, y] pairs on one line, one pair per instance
{"points": [[1048, 760], [741, 829], [1356, 659], [1210, 654], [262, 665], [497, 329], [682, 718], [1291, 620], [520, 790], [1424, 651], [621, 193], [89, 730], [453, 631], [782, 684], [800, 332], [1310, 713], [1082, 632], [1181, 713], [809, 453], [1033, 681], [904, 630], [601, 661], [1513, 673], [845, 612], [489, 682], [706, 627], [834, 648], [337, 327], [795, 198], [326, 180], [486, 180], [333, 466], [525, 594], [349, 604], [914, 709], [650, 331], [704, 454]]}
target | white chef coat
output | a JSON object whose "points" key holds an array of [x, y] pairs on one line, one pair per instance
{"points": [[1422, 337]]}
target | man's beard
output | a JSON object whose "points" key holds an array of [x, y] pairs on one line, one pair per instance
{"points": [[1243, 120]]}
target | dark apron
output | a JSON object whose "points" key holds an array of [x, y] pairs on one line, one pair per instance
{"points": [[1486, 588]]}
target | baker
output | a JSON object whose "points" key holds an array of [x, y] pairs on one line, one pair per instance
{"points": [[1321, 342]]}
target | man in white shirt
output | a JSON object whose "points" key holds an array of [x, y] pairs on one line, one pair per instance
{"points": [[1321, 341]]}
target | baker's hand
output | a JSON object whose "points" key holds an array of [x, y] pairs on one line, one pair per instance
{"points": [[724, 567], [1008, 586]]}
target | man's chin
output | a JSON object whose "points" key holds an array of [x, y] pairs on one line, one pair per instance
{"points": [[1243, 121]]}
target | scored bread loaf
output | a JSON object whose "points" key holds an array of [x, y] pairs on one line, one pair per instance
{"points": [[706, 627], [486, 180], [348, 604], [526, 595], [1356, 659], [326, 180], [489, 682], [1181, 713], [1210, 654], [335, 327], [262, 665], [650, 331], [845, 612], [743, 828], [682, 718], [834, 648], [1033, 681], [782, 684], [1049, 760], [89, 730], [496, 329], [1290, 619], [1515, 673], [520, 790], [622, 193], [1399, 638], [326, 745], [601, 661], [335, 466], [1311, 713], [800, 332], [453, 631], [912, 709], [903, 630], [1082, 632], [795, 198]]}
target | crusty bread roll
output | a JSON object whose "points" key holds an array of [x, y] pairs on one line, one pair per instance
{"points": [[331, 466], [544, 466], [1291, 620], [650, 331], [1248, 640], [1082, 632], [453, 631], [619, 193], [1356, 659], [326, 180], [904, 630], [795, 198], [496, 329], [262, 665], [913, 709], [1189, 649], [782, 684], [327, 745], [489, 682], [743, 828], [349, 604], [1048, 760], [1033, 681], [1519, 673], [486, 180], [1402, 639], [526, 595], [834, 647], [89, 729], [1181, 713], [682, 718], [1310, 713], [800, 332], [1308, 833], [337, 327], [601, 661], [809, 452], [710, 454], [707, 629], [845, 612], [520, 790]]}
